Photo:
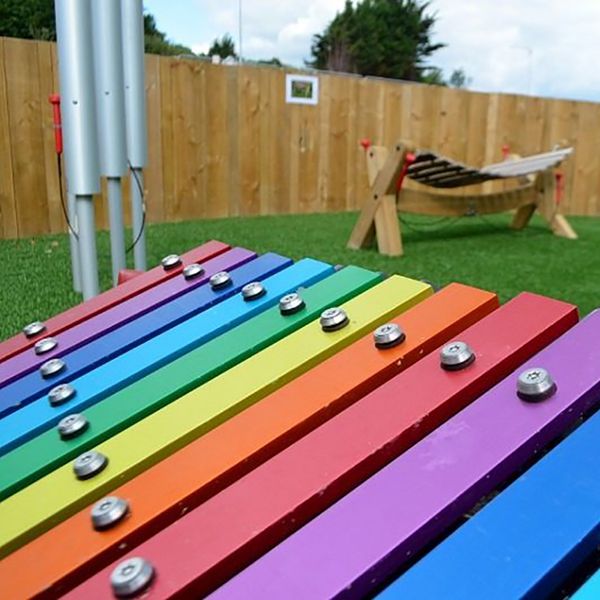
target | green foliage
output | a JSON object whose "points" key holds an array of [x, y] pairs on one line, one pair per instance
{"points": [[433, 76], [35, 20], [156, 42], [223, 47], [383, 38], [274, 62], [459, 79], [28, 19]]}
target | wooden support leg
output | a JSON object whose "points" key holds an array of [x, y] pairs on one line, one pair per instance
{"points": [[364, 231], [384, 169], [522, 216], [548, 209], [387, 227]]}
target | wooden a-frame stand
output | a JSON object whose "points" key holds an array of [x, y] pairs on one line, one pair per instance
{"points": [[379, 216]]}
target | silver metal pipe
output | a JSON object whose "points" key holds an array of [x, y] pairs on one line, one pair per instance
{"points": [[74, 243], [132, 20], [137, 218], [87, 252], [117, 232], [75, 61], [110, 101]]}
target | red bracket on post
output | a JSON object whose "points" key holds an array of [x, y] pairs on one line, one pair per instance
{"points": [[365, 143], [409, 159], [54, 99], [560, 187], [505, 151]]}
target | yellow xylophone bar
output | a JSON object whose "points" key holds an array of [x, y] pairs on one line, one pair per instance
{"points": [[60, 494]]}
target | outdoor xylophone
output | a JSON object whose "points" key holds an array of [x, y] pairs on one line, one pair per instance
{"points": [[241, 426]]}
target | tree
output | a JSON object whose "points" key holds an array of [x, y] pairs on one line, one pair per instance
{"points": [[29, 19], [156, 42], [273, 62], [384, 38], [34, 20], [223, 48], [459, 79]]}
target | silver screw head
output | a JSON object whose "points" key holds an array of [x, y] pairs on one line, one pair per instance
{"points": [[193, 270], [535, 385], [131, 576], [220, 280], [170, 261], [52, 367], [456, 355], [60, 394], [333, 319], [88, 464], [72, 425], [33, 329], [45, 345], [388, 335], [108, 512], [291, 304], [253, 290]]}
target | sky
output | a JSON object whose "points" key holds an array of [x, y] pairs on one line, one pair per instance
{"points": [[541, 47]]}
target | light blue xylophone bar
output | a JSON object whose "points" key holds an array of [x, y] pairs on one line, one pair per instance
{"points": [[590, 590]]}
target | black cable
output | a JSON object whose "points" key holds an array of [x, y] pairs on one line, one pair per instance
{"points": [[492, 224], [62, 197], [66, 212], [446, 222], [143, 225]]}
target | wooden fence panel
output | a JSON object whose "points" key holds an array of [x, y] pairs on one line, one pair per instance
{"points": [[8, 210], [22, 72], [224, 142]]}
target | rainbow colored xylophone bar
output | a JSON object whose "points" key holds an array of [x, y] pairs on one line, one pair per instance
{"points": [[270, 429]]}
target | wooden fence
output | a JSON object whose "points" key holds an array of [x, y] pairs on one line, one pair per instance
{"points": [[223, 142]]}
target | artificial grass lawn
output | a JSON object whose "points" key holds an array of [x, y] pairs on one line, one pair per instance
{"points": [[36, 278]]}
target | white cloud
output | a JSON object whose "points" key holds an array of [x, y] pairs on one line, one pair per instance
{"points": [[200, 47], [272, 27], [547, 46]]}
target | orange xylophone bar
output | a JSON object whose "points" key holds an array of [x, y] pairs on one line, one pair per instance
{"points": [[158, 496], [212, 542], [104, 301]]}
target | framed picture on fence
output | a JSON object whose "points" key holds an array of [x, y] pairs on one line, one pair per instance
{"points": [[301, 89]]}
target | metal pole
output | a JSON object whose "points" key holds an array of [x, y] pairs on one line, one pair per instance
{"points": [[110, 99], [74, 243], [87, 252], [135, 109], [117, 232], [74, 31], [54, 99], [240, 59]]}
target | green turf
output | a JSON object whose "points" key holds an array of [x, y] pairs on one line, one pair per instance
{"points": [[36, 280]]}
